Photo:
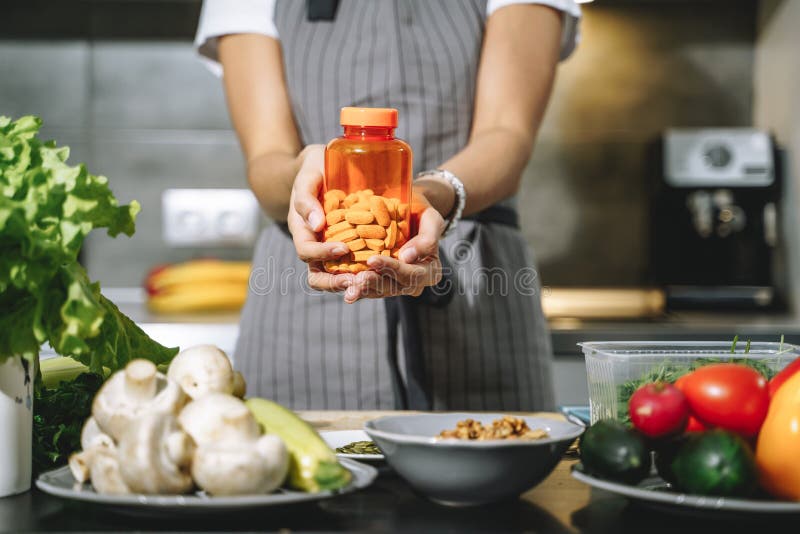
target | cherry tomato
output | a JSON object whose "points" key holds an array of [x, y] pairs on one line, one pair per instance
{"points": [[783, 376], [658, 409], [727, 395]]}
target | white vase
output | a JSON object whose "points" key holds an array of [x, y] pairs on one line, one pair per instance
{"points": [[16, 426]]}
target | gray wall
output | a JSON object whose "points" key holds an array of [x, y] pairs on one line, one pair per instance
{"points": [[147, 114], [641, 67], [777, 107]]}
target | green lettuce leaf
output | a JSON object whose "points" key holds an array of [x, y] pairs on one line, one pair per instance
{"points": [[47, 208]]}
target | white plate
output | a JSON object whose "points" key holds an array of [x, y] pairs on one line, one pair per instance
{"points": [[654, 492], [61, 483], [340, 438]]}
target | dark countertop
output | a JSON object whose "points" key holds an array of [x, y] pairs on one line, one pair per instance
{"points": [[559, 505]]}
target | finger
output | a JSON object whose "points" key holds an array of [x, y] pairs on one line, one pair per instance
{"points": [[324, 281], [306, 244], [369, 284], [388, 287], [360, 281], [309, 251], [417, 274], [305, 195], [426, 242]]}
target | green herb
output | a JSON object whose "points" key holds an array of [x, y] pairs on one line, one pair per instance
{"points": [[47, 208], [359, 447], [671, 373], [58, 417]]}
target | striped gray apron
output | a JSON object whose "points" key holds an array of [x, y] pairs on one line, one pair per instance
{"points": [[488, 348]]}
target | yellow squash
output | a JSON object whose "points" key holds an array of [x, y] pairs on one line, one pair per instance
{"points": [[313, 465]]}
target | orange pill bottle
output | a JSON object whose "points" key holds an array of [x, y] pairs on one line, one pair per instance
{"points": [[367, 188]]}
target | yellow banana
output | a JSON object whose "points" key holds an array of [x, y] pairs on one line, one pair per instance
{"points": [[198, 271], [191, 297]]}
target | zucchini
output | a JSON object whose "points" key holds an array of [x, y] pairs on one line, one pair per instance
{"points": [[313, 465], [611, 450], [716, 462]]}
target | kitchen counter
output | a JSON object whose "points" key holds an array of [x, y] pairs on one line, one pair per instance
{"points": [[559, 505], [222, 328], [566, 333], [675, 326], [569, 371]]}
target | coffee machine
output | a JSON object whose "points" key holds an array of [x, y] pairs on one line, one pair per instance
{"points": [[714, 220]]}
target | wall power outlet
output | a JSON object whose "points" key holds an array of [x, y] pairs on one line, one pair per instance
{"points": [[209, 217]]}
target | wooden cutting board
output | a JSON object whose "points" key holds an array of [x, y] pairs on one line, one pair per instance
{"points": [[603, 303]]}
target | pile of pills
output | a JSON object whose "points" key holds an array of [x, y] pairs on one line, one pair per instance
{"points": [[367, 223]]}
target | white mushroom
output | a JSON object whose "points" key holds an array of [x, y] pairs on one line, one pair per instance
{"points": [[106, 476], [155, 456], [80, 464], [92, 436], [93, 440], [232, 457], [218, 417], [132, 392], [239, 385], [241, 467], [201, 370]]}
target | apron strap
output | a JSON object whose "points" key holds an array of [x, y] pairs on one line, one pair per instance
{"points": [[404, 312], [321, 9], [402, 315]]}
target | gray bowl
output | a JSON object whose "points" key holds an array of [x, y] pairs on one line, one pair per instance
{"points": [[468, 473]]}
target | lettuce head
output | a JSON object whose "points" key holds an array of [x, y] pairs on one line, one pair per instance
{"points": [[47, 208]]}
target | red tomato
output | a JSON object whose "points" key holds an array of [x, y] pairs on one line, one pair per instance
{"points": [[658, 409], [694, 425], [727, 395], [679, 381], [783, 376]]}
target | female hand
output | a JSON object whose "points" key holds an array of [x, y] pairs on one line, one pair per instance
{"points": [[306, 218], [417, 267]]}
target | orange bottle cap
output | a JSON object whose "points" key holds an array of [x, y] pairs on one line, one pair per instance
{"points": [[369, 117]]}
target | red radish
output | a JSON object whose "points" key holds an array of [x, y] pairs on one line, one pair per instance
{"points": [[658, 409]]}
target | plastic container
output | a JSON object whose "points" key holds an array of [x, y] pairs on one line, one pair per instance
{"points": [[614, 369], [367, 188]]}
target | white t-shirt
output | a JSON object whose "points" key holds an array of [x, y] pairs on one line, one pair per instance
{"points": [[224, 17]]}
